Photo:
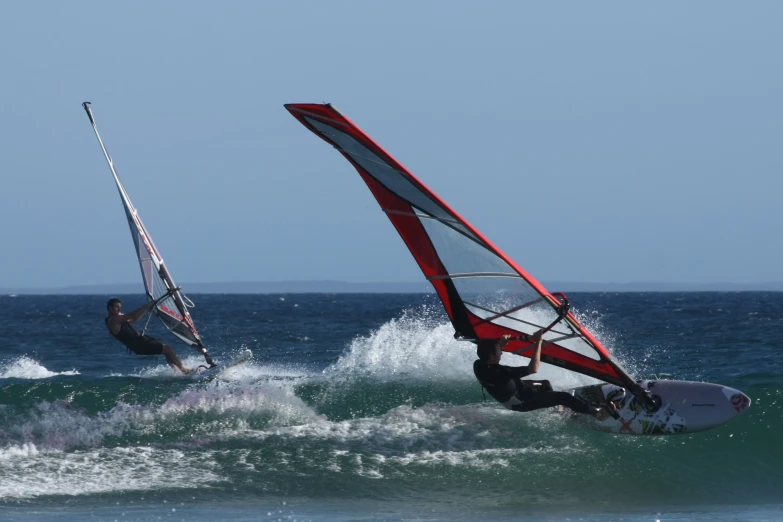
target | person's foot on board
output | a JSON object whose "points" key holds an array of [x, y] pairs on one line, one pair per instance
{"points": [[616, 396], [609, 410]]}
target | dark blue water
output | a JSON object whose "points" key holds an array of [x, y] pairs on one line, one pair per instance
{"points": [[363, 407]]}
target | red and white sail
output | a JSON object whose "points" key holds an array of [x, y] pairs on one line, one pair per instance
{"points": [[171, 310], [485, 293]]}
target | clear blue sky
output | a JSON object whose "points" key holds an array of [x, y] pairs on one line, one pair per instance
{"points": [[592, 142]]}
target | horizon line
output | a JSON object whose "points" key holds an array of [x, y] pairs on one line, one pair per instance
{"points": [[337, 286]]}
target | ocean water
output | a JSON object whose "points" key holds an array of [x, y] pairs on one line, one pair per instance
{"points": [[363, 407]]}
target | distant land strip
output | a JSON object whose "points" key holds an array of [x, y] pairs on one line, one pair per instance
{"points": [[343, 287]]}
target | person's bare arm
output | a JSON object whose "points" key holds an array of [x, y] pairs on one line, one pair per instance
{"points": [[522, 371], [115, 321], [535, 361], [503, 341], [138, 313]]}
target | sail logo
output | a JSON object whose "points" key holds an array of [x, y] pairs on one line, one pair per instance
{"points": [[172, 313], [625, 426], [186, 320], [740, 402]]}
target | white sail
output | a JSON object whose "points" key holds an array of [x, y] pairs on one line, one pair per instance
{"points": [[171, 309]]}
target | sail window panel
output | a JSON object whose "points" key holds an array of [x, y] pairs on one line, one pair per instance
{"points": [[176, 327], [141, 251], [461, 254], [144, 254], [385, 174], [580, 346], [508, 291], [514, 304], [161, 289], [149, 273], [507, 302], [529, 320]]}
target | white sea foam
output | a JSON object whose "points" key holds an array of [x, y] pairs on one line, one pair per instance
{"points": [[433, 426], [413, 345], [29, 472], [460, 437], [419, 346], [27, 368], [60, 426], [276, 401], [57, 449], [245, 372], [482, 437], [253, 372]]}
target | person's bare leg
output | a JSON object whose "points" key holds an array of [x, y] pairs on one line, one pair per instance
{"points": [[173, 360]]}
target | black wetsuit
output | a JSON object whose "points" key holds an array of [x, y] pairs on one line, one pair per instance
{"points": [[136, 342], [504, 385]]}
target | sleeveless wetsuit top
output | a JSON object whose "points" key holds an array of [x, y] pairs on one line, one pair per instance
{"points": [[127, 335], [502, 382]]}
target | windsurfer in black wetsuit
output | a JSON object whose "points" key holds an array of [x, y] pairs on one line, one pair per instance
{"points": [[505, 385], [120, 328]]}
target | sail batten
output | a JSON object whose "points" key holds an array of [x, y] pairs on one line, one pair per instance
{"points": [[420, 216], [484, 292], [473, 274]]}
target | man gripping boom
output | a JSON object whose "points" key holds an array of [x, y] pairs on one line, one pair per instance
{"points": [[504, 383], [119, 325]]}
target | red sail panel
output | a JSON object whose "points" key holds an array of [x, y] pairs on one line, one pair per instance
{"points": [[484, 293]]}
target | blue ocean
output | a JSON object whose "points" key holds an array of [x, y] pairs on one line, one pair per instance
{"points": [[364, 407]]}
